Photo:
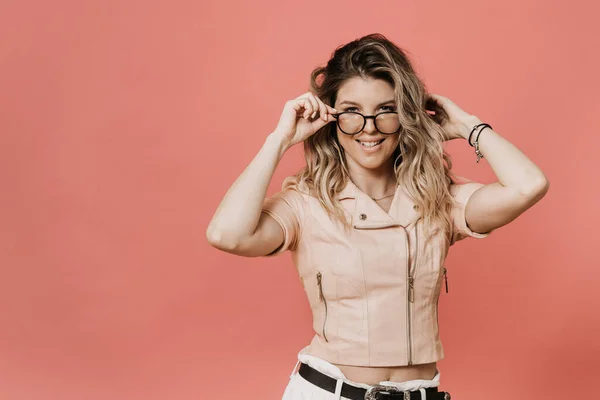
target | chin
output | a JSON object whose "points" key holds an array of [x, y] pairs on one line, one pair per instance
{"points": [[371, 164]]}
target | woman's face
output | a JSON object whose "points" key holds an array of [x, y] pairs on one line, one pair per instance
{"points": [[368, 97]]}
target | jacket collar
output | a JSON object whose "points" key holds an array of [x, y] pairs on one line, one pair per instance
{"points": [[367, 214]]}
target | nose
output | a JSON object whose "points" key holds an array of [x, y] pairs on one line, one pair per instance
{"points": [[370, 126]]}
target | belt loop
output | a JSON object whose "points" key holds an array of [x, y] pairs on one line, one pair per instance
{"points": [[338, 389], [423, 394], [294, 370]]}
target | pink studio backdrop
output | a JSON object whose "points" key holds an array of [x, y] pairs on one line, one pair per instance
{"points": [[123, 124]]}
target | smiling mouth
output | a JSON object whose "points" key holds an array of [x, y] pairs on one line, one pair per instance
{"points": [[370, 145]]}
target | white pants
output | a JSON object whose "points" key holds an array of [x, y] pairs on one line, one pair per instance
{"points": [[299, 388]]}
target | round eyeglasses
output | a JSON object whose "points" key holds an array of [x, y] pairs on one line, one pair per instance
{"points": [[352, 122]]}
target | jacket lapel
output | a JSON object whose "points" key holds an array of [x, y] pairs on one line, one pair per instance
{"points": [[367, 214]]}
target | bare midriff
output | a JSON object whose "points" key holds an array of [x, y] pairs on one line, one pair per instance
{"points": [[374, 375]]}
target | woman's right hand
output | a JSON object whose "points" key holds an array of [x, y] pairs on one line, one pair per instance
{"points": [[302, 117]]}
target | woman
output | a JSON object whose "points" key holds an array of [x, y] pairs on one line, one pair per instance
{"points": [[370, 218]]}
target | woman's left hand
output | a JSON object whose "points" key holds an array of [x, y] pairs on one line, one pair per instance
{"points": [[455, 122]]}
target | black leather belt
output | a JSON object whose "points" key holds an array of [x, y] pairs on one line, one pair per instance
{"points": [[377, 392]]}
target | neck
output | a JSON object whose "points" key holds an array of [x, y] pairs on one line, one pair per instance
{"points": [[376, 183]]}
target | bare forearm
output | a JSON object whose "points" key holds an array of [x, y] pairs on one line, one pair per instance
{"points": [[512, 168], [239, 212]]}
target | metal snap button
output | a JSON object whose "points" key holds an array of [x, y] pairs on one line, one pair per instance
{"points": [[363, 216]]}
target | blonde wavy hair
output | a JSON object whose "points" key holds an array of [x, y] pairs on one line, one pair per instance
{"points": [[420, 163]]}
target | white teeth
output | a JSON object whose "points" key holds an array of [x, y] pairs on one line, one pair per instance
{"points": [[370, 144]]}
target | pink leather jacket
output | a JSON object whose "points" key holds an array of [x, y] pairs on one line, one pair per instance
{"points": [[373, 293]]}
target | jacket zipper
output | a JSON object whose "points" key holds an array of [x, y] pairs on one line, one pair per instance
{"points": [[411, 288], [322, 297], [446, 279], [437, 318]]}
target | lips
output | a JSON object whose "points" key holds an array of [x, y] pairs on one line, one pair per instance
{"points": [[370, 145], [370, 141]]}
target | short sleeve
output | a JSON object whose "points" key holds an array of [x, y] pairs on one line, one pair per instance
{"points": [[287, 209], [461, 194]]}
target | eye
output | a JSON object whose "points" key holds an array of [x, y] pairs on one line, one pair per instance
{"points": [[385, 108]]}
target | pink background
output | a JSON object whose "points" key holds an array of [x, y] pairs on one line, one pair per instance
{"points": [[123, 124]]}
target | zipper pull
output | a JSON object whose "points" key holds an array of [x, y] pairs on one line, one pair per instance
{"points": [[319, 284], [446, 279], [411, 289]]}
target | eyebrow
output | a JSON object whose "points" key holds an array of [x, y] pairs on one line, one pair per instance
{"points": [[358, 104]]}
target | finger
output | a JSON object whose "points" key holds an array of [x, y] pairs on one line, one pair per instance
{"points": [[331, 109], [308, 108], [299, 106], [322, 109], [320, 122], [296, 104], [315, 105]]}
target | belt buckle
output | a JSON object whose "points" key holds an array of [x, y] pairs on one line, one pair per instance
{"points": [[372, 392]]}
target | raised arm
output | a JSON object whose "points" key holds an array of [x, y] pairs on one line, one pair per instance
{"points": [[483, 208], [239, 226], [520, 183], [233, 227]]}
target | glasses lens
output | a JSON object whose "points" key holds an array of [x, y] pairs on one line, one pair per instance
{"points": [[387, 123], [350, 123]]}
